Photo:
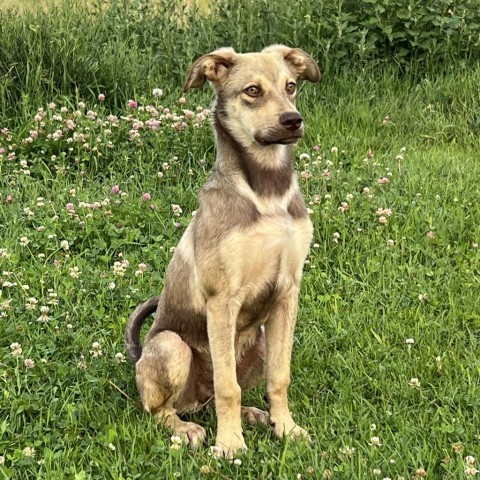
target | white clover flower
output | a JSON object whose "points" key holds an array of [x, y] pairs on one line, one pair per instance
{"points": [[75, 272], [31, 303], [29, 213], [120, 357], [29, 452], [43, 314], [96, 350], [119, 268], [82, 364], [6, 305], [16, 349], [375, 442], [347, 450], [414, 382], [176, 442], [176, 210], [470, 470], [29, 363], [53, 297]]}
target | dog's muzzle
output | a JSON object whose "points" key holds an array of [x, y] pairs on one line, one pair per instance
{"points": [[288, 130]]}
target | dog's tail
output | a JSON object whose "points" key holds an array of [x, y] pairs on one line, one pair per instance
{"points": [[134, 324]]}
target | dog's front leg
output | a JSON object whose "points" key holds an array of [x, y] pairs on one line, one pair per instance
{"points": [[279, 336], [221, 323]]}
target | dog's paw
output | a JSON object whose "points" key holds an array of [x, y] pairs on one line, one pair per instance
{"points": [[298, 433], [228, 445], [288, 428], [191, 433], [254, 415]]}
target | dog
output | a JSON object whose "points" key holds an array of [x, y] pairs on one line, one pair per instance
{"points": [[225, 319]]}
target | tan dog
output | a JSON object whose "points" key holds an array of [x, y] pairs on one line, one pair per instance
{"points": [[226, 316]]}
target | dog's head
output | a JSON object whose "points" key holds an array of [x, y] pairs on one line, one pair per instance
{"points": [[256, 92]]}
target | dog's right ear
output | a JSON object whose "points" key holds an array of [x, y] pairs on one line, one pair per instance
{"points": [[213, 67]]}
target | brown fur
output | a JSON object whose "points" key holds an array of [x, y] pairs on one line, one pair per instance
{"points": [[226, 316]]}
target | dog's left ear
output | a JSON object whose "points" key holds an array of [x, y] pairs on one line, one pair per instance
{"points": [[214, 67], [300, 62]]}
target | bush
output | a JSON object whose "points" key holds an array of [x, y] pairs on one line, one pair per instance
{"points": [[125, 47]]}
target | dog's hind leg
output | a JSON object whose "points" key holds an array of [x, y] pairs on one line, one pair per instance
{"points": [[165, 382]]}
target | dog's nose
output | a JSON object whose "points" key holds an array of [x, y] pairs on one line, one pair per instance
{"points": [[291, 120]]}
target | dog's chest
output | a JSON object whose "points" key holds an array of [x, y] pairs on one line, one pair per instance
{"points": [[281, 238], [267, 255]]}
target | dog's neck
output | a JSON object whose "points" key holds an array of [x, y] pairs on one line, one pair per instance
{"points": [[268, 170]]}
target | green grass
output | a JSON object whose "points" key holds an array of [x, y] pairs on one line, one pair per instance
{"points": [[367, 287], [78, 48]]}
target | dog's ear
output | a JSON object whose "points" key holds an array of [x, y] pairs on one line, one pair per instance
{"points": [[214, 67], [300, 62]]}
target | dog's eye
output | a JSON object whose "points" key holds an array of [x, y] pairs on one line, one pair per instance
{"points": [[253, 91], [291, 87]]}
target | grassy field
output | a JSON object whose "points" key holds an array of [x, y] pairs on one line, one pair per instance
{"points": [[386, 369]]}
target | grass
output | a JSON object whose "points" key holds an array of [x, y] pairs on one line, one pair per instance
{"points": [[77, 49], [368, 287], [21, 6], [30, 4]]}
